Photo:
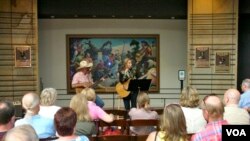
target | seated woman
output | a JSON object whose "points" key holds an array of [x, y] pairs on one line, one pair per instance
{"points": [[44, 127], [173, 125], [47, 103], [142, 112], [84, 125], [95, 111], [65, 122], [189, 102]]}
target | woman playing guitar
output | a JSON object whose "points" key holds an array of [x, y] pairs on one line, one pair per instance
{"points": [[125, 75]]}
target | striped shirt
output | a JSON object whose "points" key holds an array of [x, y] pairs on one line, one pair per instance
{"points": [[212, 132]]}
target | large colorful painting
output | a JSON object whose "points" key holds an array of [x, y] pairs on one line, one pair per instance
{"points": [[107, 53]]}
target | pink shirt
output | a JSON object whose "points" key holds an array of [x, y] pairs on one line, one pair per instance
{"points": [[80, 77], [95, 111]]}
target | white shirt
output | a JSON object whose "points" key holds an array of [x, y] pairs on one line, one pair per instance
{"points": [[195, 121], [48, 111], [235, 115]]}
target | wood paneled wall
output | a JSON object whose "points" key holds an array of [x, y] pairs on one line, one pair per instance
{"points": [[212, 25], [18, 27]]}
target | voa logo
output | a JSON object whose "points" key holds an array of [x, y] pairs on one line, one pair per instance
{"points": [[236, 132]]}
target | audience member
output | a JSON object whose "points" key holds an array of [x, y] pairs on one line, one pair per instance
{"points": [[7, 117], [84, 125], [213, 110], [44, 127], [189, 102], [245, 97], [47, 103], [172, 126], [65, 121], [22, 133], [233, 114], [142, 112], [95, 111]]}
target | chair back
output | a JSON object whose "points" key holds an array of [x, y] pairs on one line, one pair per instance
{"points": [[112, 138], [120, 124], [142, 122], [119, 113]]}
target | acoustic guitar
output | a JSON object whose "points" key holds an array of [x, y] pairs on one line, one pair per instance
{"points": [[121, 89], [90, 85]]}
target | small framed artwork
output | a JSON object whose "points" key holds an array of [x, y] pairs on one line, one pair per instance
{"points": [[202, 57], [222, 64], [22, 56]]}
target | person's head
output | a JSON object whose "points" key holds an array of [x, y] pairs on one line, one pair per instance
{"points": [[21, 133], [48, 97], [89, 94], [7, 113], [65, 121], [189, 97], [212, 107], [231, 96], [245, 85], [79, 104], [173, 123], [30, 103], [127, 63], [85, 66], [143, 100]]}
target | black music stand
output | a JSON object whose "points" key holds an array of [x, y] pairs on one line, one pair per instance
{"points": [[139, 85]]}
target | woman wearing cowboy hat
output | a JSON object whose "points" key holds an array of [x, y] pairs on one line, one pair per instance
{"points": [[83, 79]]}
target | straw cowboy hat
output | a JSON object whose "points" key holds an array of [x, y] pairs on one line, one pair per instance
{"points": [[84, 64]]}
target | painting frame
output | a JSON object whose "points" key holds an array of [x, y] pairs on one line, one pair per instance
{"points": [[22, 56], [202, 56], [114, 48], [222, 62]]}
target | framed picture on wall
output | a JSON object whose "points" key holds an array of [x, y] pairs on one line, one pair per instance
{"points": [[22, 56], [222, 62], [107, 53], [202, 57]]}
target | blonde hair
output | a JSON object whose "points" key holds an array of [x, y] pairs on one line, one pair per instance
{"points": [[125, 62], [79, 104], [30, 101], [189, 97], [89, 94], [173, 123], [142, 99], [48, 96], [21, 133]]}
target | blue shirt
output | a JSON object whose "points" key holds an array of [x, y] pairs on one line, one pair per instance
{"points": [[44, 127], [245, 99]]}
